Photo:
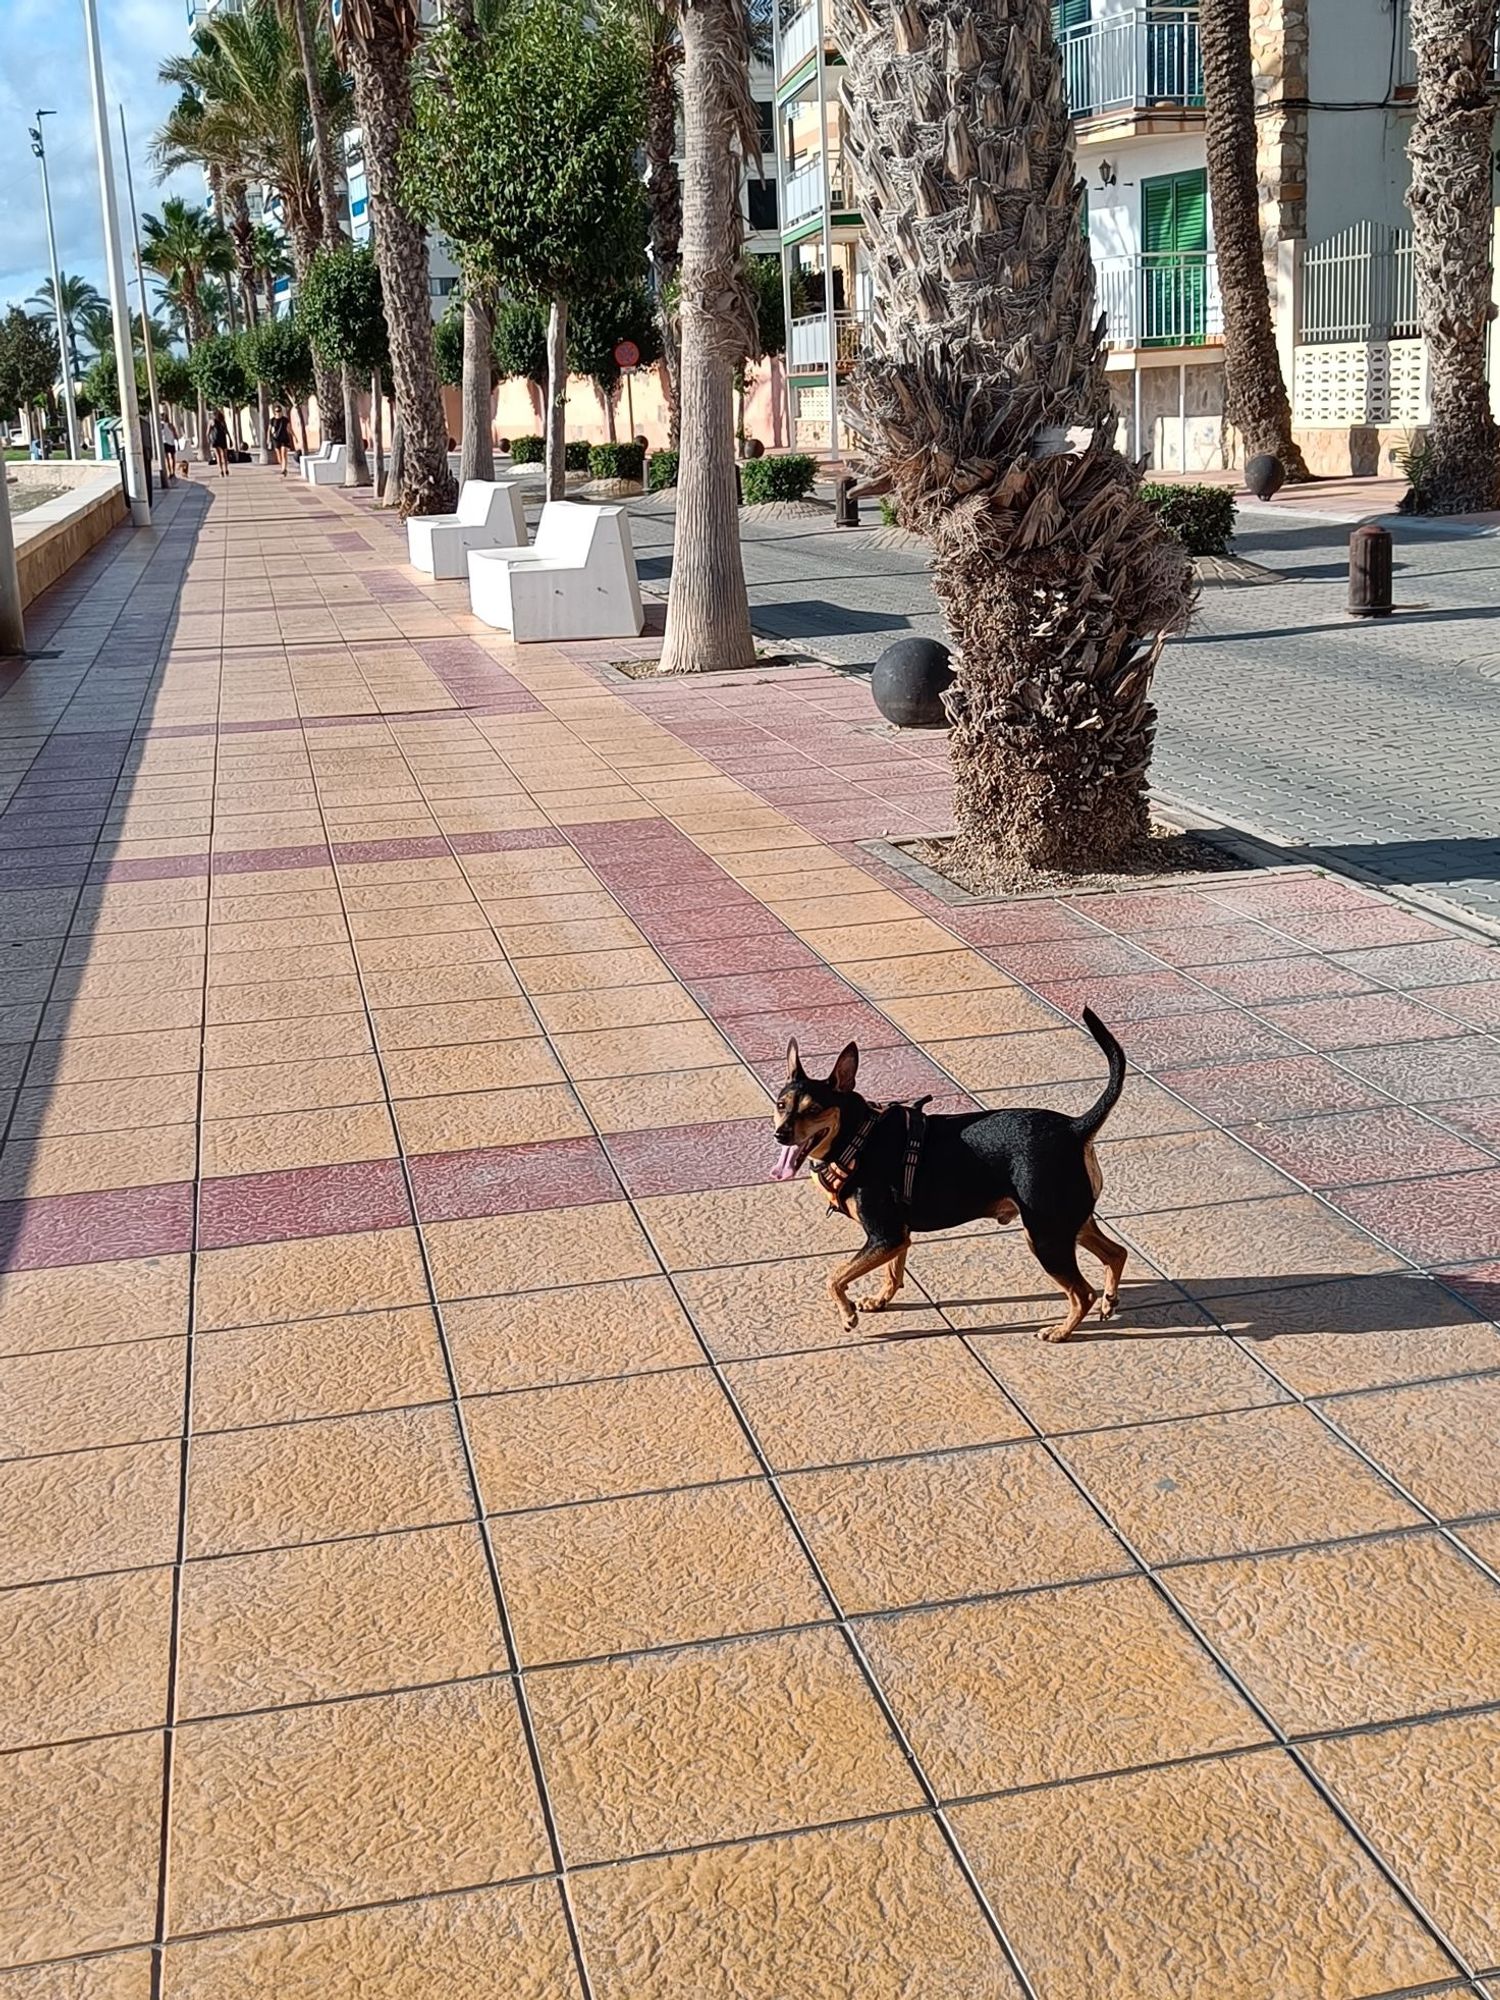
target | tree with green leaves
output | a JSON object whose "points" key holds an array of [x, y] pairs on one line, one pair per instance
{"points": [[217, 368], [278, 356], [342, 310], [523, 152], [29, 363], [597, 323], [101, 384], [174, 384], [78, 298], [763, 276], [520, 349]]}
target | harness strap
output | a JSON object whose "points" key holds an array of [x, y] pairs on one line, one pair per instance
{"points": [[836, 1173], [916, 1132]]}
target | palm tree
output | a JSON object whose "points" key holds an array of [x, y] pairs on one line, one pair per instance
{"points": [[1057, 581], [377, 38], [269, 263], [79, 299], [708, 615], [1452, 216], [180, 245], [1255, 397]]}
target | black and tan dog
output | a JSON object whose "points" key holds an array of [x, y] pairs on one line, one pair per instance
{"points": [[899, 1171]]}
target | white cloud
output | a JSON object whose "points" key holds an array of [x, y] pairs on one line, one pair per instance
{"points": [[42, 63]]}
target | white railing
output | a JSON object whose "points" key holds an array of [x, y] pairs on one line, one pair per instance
{"points": [[1360, 285], [808, 342], [804, 189], [1129, 61], [1165, 299], [799, 37]]}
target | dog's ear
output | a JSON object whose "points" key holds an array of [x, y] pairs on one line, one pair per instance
{"points": [[793, 1058], [845, 1069]]}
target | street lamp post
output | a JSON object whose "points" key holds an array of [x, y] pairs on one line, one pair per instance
{"points": [[64, 331], [140, 285], [119, 303]]}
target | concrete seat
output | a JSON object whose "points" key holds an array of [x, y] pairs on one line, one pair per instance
{"points": [[327, 471], [309, 459], [576, 581], [489, 516]]}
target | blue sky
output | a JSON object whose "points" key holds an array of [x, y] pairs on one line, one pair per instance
{"points": [[42, 64]]}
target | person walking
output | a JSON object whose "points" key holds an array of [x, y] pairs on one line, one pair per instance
{"points": [[168, 446], [218, 443], [281, 437]]}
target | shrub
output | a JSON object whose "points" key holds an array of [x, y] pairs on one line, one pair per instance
{"points": [[888, 515], [662, 471], [528, 451], [788, 478], [617, 461], [1201, 517], [576, 455]]}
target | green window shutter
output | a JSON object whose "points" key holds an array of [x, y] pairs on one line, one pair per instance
{"points": [[1192, 211], [1158, 214], [1071, 14]]}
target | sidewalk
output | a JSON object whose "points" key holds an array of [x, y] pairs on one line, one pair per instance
{"points": [[447, 1545]]}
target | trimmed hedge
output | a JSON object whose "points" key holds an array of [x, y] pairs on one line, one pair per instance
{"points": [[661, 471], [618, 461], [576, 455], [788, 478], [1201, 517], [528, 451]]}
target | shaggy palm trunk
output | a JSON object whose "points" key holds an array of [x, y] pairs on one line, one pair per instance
{"points": [[557, 399], [242, 235], [1452, 209], [664, 192], [375, 429], [380, 67], [477, 440], [708, 614], [356, 464], [1057, 582], [391, 497], [1255, 397]]}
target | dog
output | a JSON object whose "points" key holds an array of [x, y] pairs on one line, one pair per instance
{"points": [[900, 1171]]}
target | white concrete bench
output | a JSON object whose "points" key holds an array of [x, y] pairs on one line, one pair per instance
{"points": [[309, 459], [489, 516], [576, 581], [327, 471]]}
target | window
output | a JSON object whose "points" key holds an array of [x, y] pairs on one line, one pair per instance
{"points": [[765, 115], [761, 201], [359, 207], [1174, 268]]}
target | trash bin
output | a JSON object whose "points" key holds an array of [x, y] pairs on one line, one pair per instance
{"points": [[107, 438]]}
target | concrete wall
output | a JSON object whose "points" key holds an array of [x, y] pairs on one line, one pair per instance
{"points": [[1115, 212], [51, 538], [517, 413]]}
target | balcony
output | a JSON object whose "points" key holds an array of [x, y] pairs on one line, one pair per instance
{"points": [[799, 36], [803, 190], [1166, 299], [1135, 61], [807, 347]]}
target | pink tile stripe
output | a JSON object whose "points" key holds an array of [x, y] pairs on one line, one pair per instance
{"points": [[96, 1228], [302, 1201]]}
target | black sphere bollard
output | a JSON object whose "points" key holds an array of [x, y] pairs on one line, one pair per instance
{"points": [[1370, 566], [846, 507], [908, 683], [1265, 475]]}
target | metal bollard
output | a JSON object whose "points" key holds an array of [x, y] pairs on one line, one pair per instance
{"points": [[846, 506], [1370, 558]]}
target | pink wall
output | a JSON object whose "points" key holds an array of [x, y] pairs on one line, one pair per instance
{"points": [[518, 412]]}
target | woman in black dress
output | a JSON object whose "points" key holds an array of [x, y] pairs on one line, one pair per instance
{"points": [[280, 437], [218, 443]]}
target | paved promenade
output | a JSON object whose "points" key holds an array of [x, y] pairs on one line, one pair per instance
{"points": [[448, 1546]]}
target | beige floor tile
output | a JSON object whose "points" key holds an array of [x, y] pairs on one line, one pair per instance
{"points": [[1228, 1878], [992, 1009], [925, 972], [669, 1045], [123, 1105], [1440, 1441], [1367, 1632], [82, 1058], [511, 1942], [1483, 1537], [848, 1403], [80, 1847], [122, 1975], [266, 1145], [782, 1306], [955, 1524], [75, 1397], [265, 1089], [336, 1618], [307, 1809], [1181, 1169], [733, 1225], [83, 1162], [591, 971], [1427, 1798], [309, 1278], [1225, 1485], [535, 1339], [261, 1044], [1143, 1110], [85, 1658], [624, 1007], [793, 1916], [507, 1253], [1053, 1684], [316, 1368], [718, 1742], [661, 1569], [436, 986], [544, 1447], [1361, 1333], [474, 1118], [88, 1510], [685, 1097], [1246, 1246], [286, 1483], [523, 1061], [1000, 1062], [1136, 1371], [283, 1000]]}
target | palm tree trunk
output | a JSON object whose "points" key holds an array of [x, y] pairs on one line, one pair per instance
{"points": [[356, 465], [664, 192], [392, 494], [375, 428], [1255, 397], [708, 613], [1056, 580], [263, 421], [328, 383], [477, 439], [557, 399], [382, 90], [323, 164], [1452, 210]]}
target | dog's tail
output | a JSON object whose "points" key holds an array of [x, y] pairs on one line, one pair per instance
{"points": [[1089, 1123]]}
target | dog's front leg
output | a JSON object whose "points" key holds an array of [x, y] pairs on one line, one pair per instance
{"points": [[869, 1258], [895, 1278]]}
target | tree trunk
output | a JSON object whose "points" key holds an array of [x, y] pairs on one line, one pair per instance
{"points": [[263, 421], [1057, 582], [664, 193], [1255, 397], [477, 440], [557, 400], [382, 89], [392, 495], [376, 428], [356, 465], [302, 421], [323, 163], [608, 397], [708, 613], [1452, 209]]}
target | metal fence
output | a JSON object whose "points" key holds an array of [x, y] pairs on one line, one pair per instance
{"points": [[1167, 298], [1139, 58], [808, 345], [1360, 285]]}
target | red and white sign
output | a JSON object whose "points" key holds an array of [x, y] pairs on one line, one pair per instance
{"points": [[627, 354]]}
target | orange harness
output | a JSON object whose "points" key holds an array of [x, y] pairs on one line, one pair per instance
{"points": [[835, 1174]]}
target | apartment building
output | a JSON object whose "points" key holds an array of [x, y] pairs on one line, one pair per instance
{"points": [[1334, 90]]}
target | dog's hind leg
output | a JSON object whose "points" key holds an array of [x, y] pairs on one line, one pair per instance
{"points": [[895, 1278], [1112, 1256], [870, 1258], [1058, 1257]]}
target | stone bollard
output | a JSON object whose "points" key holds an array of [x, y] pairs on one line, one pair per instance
{"points": [[846, 505], [1370, 555]]}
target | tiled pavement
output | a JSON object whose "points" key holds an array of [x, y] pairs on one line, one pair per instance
{"points": [[446, 1544]]}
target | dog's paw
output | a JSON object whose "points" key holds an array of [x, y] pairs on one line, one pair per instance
{"points": [[1108, 1306], [875, 1305], [1055, 1333]]}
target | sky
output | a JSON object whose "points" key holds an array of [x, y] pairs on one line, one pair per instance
{"points": [[42, 64]]}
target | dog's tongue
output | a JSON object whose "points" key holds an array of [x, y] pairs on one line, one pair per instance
{"points": [[785, 1168]]}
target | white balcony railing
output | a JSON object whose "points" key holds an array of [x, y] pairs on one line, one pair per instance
{"points": [[1131, 61], [808, 341], [1165, 299], [804, 188], [799, 36]]}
